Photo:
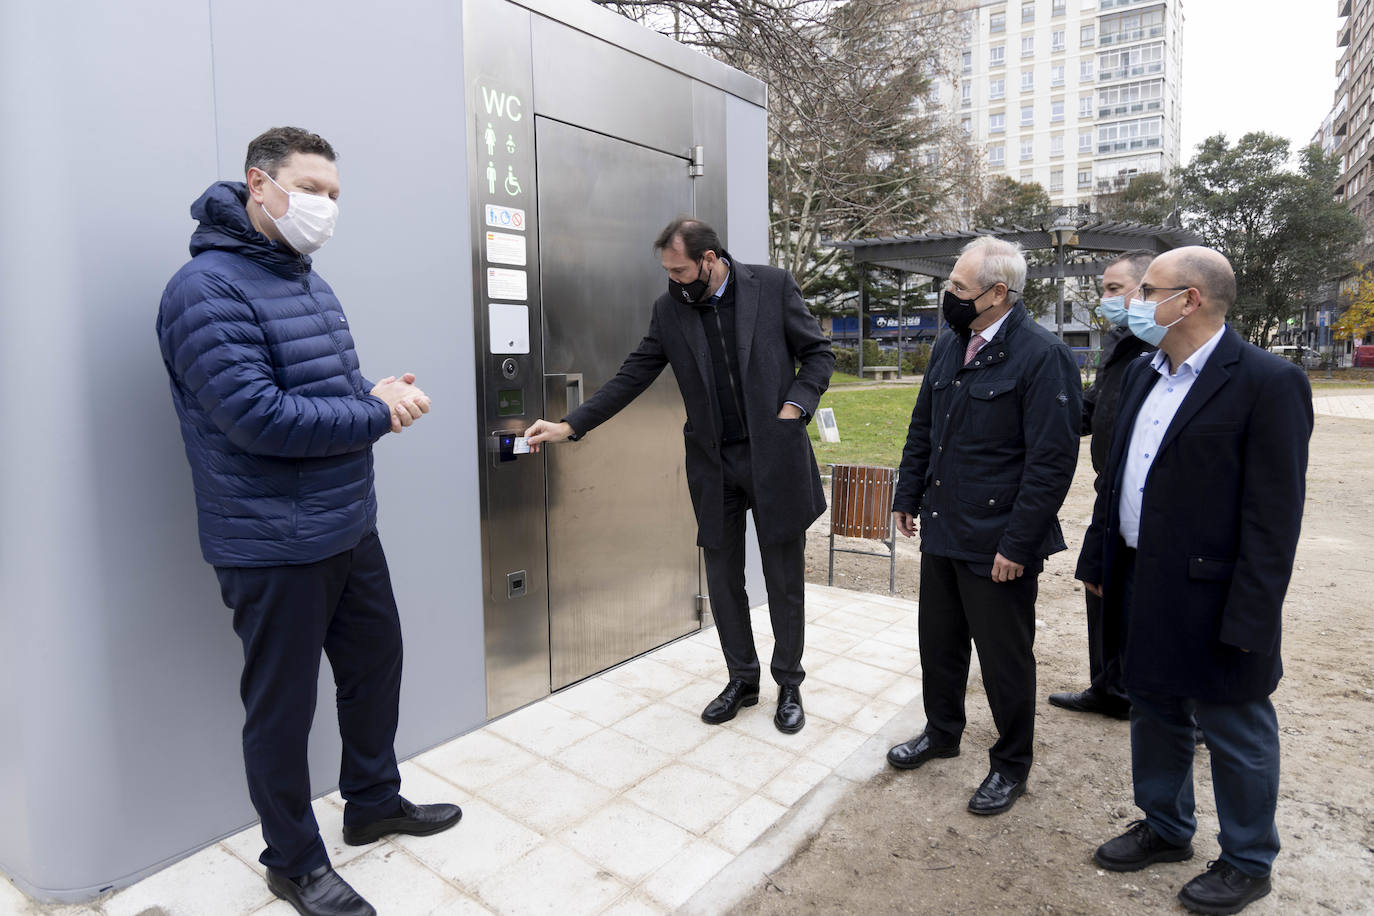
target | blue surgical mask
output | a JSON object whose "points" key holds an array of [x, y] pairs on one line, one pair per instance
{"points": [[1142, 319], [1113, 309]]}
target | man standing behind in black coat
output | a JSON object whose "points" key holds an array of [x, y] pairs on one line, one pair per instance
{"points": [[1191, 545], [989, 457], [1120, 347], [734, 335]]}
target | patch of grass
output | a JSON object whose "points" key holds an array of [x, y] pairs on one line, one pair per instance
{"points": [[843, 378], [872, 424]]}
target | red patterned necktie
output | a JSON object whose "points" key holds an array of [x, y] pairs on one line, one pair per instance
{"points": [[974, 345]]}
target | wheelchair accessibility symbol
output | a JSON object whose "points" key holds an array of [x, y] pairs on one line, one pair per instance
{"points": [[512, 183]]}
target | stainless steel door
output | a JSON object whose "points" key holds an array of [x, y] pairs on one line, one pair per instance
{"points": [[621, 533]]}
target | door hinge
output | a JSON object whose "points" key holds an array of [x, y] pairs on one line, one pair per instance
{"points": [[703, 605], [696, 167]]}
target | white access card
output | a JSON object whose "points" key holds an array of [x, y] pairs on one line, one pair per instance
{"points": [[521, 446]]}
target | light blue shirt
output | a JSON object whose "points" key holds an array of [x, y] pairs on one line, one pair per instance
{"points": [[1151, 423]]}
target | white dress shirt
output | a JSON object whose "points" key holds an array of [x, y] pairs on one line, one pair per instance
{"points": [[989, 332], [1151, 423]]}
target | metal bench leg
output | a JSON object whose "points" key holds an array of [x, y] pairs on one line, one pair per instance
{"points": [[892, 557], [831, 579]]}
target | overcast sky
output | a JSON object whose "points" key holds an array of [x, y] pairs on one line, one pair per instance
{"points": [[1257, 65]]}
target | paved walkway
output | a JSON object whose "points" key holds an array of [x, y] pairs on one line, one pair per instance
{"points": [[1354, 406], [609, 797]]}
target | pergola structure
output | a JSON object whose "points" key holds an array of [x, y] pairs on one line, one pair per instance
{"points": [[934, 254]]}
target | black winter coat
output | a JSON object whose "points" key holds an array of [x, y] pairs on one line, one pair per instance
{"points": [[1119, 349], [993, 445]]}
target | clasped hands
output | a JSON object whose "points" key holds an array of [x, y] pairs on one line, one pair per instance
{"points": [[405, 401]]}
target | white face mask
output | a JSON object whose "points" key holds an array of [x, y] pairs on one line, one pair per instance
{"points": [[308, 221]]}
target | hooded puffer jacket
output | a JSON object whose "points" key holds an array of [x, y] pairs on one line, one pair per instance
{"points": [[277, 418]]}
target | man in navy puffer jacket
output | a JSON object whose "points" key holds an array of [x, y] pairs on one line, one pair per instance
{"points": [[279, 423]]}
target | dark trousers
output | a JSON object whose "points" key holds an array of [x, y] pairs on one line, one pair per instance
{"points": [[1104, 667], [285, 616], [1243, 742], [784, 576], [958, 605]]}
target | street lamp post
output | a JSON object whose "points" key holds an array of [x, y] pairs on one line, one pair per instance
{"points": [[863, 302], [901, 292], [1062, 233]]}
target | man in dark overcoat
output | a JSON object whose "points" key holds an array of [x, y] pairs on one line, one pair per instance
{"points": [[1191, 546], [751, 363]]}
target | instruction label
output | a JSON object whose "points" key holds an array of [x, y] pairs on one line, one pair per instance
{"points": [[503, 248], [507, 284]]}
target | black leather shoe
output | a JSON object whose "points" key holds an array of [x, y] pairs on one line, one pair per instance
{"points": [[917, 751], [1223, 888], [737, 693], [1091, 701], [1138, 847], [415, 820], [996, 794], [790, 716], [320, 893]]}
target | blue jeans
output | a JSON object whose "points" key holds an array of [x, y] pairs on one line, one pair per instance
{"points": [[1243, 740]]}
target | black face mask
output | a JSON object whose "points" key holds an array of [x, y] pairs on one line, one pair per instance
{"points": [[690, 293], [960, 313]]}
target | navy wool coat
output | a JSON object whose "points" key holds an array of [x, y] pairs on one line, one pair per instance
{"points": [[783, 356], [276, 416], [1219, 526]]}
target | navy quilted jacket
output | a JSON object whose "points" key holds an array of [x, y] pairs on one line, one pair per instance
{"points": [[276, 416]]}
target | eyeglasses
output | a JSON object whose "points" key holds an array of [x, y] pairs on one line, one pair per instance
{"points": [[1148, 292]]}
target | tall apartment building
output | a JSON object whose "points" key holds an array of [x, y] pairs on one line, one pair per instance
{"points": [[1079, 96], [1347, 129]]}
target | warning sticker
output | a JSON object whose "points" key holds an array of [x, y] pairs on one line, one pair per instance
{"points": [[505, 217]]}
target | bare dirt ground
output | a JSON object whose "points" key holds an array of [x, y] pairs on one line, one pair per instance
{"points": [[905, 843]]}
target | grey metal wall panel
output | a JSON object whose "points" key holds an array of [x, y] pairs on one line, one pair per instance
{"points": [[574, 72], [389, 96], [106, 655], [622, 33], [746, 171], [116, 648]]}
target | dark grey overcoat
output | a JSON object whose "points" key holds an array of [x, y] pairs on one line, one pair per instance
{"points": [[783, 356]]}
